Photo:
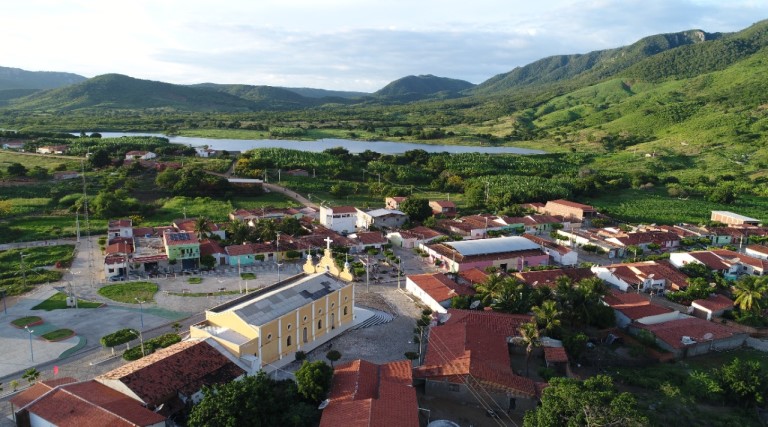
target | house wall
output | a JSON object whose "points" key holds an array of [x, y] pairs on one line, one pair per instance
{"points": [[341, 223], [183, 251], [716, 345], [604, 274], [679, 259], [419, 293], [755, 254], [460, 393], [660, 318], [241, 260]]}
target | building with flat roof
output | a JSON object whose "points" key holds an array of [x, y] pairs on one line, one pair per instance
{"points": [[504, 253], [267, 327], [731, 218]]}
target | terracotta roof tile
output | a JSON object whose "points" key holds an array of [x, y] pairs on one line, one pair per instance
{"points": [[91, 403], [571, 204], [343, 209], [549, 278], [616, 298], [371, 238], [673, 331], [439, 286], [210, 247], [371, 395], [38, 389], [474, 275], [184, 367], [638, 312], [180, 238], [715, 302], [555, 354]]}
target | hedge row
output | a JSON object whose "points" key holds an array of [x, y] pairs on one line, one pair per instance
{"points": [[151, 345], [120, 337]]}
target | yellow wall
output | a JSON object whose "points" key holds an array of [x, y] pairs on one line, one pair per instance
{"points": [[274, 334]]}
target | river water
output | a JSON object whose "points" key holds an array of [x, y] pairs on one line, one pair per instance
{"points": [[384, 147]]}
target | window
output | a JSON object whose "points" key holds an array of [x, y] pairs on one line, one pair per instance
{"points": [[305, 318], [289, 326], [345, 310], [319, 324], [320, 311], [345, 299], [269, 337], [288, 341], [333, 304]]}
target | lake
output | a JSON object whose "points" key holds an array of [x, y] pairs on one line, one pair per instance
{"points": [[384, 147]]}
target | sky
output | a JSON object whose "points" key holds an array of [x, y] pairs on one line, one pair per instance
{"points": [[351, 45]]}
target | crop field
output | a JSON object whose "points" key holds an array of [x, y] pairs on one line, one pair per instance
{"points": [[654, 206]]}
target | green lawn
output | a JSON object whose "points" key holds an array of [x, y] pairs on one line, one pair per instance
{"points": [[59, 301], [58, 334], [195, 280], [129, 292], [27, 320]]}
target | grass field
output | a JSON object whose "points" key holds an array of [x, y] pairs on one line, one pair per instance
{"points": [[58, 334], [130, 292], [59, 302], [27, 320], [30, 161]]}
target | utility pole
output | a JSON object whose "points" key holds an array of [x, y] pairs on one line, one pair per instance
{"points": [[277, 255]]}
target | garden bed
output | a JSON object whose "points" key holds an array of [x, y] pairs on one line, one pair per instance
{"points": [[27, 321], [58, 335]]}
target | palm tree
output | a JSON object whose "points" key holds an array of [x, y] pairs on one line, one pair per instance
{"points": [[489, 289], [512, 297], [529, 334], [239, 232], [750, 292], [547, 316], [202, 227]]}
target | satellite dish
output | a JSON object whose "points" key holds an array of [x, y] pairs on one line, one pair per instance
{"points": [[708, 336], [324, 404], [474, 305]]}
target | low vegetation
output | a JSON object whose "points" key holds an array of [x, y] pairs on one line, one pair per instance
{"points": [[58, 335], [58, 301], [27, 321], [130, 292]]}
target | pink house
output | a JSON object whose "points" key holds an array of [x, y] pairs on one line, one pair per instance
{"points": [[504, 253]]}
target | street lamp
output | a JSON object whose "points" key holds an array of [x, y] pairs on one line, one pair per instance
{"points": [[141, 311], [141, 340], [31, 352]]}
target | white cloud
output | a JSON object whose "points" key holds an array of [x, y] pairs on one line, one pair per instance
{"points": [[335, 44]]}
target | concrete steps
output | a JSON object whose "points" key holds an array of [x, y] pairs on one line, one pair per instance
{"points": [[379, 318]]}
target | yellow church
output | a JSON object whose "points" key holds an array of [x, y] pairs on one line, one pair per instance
{"points": [[266, 328]]}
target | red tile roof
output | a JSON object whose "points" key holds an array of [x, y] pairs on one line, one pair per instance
{"points": [[439, 287], [474, 275], [120, 223], [616, 298], [38, 389], [503, 323], [91, 403], [555, 355], [425, 232], [709, 259], [659, 237], [181, 368], [673, 331], [715, 302], [180, 238], [343, 209], [759, 249], [549, 278], [444, 203], [760, 264], [570, 204], [237, 250], [641, 311], [210, 247], [365, 394], [459, 350], [119, 248], [371, 238]]}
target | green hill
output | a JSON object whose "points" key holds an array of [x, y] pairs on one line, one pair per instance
{"points": [[115, 91], [16, 78], [411, 88], [274, 98], [593, 66]]}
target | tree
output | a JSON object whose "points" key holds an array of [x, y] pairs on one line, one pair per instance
{"points": [[314, 380], [529, 335], [593, 402], [31, 375], [750, 292], [17, 169], [547, 316], [238, 232], [744, 382], [416, 208], [333, 356], [202, 227], [207, 261], [99, 158], [252, 401]]}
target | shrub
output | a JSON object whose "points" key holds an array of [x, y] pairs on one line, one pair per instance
{"points": [[119, 337]]}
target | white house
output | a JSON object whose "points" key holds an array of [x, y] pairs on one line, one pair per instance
{"points": [[381, 218], [632, 307], [140, 155], [341, 219], [757, 251], [414, 237], [120, 228], [435, 290], [557, 253]]}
